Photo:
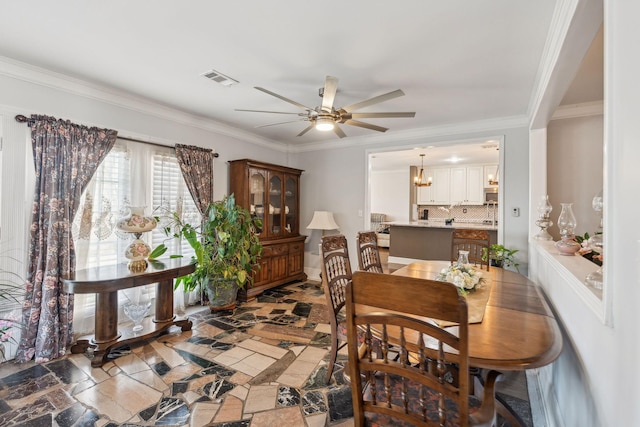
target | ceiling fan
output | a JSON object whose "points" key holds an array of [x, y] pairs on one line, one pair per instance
{"points": [[326, 117]]}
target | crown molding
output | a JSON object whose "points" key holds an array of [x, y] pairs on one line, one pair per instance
{"points": [[418, 134], [75, 86], [58, 81], [560, 23], [585, 109]]}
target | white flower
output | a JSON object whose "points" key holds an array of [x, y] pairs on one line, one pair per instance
{"points": [[464, 276]]}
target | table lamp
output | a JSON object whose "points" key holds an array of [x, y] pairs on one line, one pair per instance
{"points": [[322, 220]]}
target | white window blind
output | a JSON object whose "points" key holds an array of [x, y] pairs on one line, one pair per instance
{"points": [[170, 194]]}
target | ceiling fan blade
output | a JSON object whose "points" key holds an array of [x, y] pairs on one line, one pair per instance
{"points": [[365, 125], [329, 93], [307, 129], [297, 104], [381, 115], [264, 111], [279, 123], [339, 131], [374, 100]]}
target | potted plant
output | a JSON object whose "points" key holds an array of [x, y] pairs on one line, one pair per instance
{"points": [[226, 247], [501, 256]]}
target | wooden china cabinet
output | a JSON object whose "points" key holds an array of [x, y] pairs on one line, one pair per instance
{"points": [[272, 194]]}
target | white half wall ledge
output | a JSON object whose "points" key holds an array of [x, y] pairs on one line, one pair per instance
{"points": [[545, 262]]}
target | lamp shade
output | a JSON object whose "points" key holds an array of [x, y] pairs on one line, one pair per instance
{"points": [[322, 220]]}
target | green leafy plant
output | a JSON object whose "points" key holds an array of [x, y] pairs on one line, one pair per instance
{"points": [[12, 290], [501, 256], [226, 245]]}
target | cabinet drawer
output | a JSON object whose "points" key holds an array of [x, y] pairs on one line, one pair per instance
{"points": [[274, 250], [296, 247]]}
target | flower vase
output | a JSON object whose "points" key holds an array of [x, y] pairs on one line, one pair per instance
{"points": [[463, 258], [567, 245]]}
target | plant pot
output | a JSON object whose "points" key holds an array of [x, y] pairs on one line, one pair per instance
{"points": [[497, 263], [222, 294]]}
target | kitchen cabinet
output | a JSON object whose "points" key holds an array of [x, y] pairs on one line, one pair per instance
{"points": [[438, 192], [462, 184], [272, 194], [466, 185]]}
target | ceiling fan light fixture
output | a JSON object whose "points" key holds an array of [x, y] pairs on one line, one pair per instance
{"points": [[324, 123]]}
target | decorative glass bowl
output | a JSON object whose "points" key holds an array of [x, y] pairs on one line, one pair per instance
{"points": [[136, 312]]}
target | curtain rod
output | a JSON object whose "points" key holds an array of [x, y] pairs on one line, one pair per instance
{"points": [[22, 119]]}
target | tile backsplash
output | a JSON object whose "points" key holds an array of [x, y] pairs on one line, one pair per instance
{"points": [[460, 213]]}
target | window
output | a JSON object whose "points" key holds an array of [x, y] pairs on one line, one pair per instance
{"points": [[132, 174]]}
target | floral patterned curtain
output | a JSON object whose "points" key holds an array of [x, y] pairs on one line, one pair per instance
{"points": [[65, 157], [196, 164]]}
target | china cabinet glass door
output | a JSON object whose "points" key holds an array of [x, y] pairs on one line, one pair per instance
{"points": [[291, 206], [275, 205], [257, 196]]}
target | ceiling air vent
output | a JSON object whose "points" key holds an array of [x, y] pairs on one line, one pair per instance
{"points": [[220, 78]]}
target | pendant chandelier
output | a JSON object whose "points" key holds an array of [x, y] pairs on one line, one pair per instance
{"points": [[420, 180]]}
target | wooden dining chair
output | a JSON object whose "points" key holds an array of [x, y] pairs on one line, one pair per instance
{"points": [[368, 253], [474, 241], [401, 390], [336, 274]]}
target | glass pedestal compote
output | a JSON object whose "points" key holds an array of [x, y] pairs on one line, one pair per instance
{"points": [[136, 311]]}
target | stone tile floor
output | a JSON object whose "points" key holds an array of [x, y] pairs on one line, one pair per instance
{"points": [[263, 364]]}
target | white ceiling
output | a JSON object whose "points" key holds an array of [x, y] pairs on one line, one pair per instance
{"points": [[477, 152], [457, 61]]}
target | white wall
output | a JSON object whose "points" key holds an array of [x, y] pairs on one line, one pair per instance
{"points": [[390, 194], [574, 174], [336, 180], [595, 381]]}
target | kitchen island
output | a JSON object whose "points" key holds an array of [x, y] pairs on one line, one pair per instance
{"points": [[428, 240]]}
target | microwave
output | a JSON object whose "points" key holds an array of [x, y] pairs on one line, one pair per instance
{"points": [[490, 195]]}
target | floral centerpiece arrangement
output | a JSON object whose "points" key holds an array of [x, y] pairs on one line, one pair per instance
{"points": [[464, 276]]}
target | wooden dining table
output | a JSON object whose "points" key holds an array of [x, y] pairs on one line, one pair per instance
{"points": [[518, 331]]}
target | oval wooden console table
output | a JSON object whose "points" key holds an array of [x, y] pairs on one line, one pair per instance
{"points": [[105, 282]]}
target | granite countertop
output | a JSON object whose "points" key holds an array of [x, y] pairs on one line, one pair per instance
{"points": [[477, 224]]}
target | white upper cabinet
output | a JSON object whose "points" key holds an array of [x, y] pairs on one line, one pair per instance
{"points": [[463, 184], [458, 193], [475, 185], [438, 192], [466, 185]]}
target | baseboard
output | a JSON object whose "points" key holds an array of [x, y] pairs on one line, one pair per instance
{"points": [[313, 273], [542, 398]]}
